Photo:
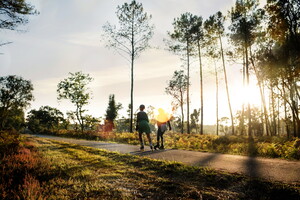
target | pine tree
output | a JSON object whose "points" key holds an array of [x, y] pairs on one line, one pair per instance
{"points": [[132, 37]]}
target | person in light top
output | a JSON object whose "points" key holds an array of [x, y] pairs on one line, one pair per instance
{"points": [[162, 120]]}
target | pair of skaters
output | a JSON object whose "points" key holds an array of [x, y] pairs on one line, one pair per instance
{"points": [[143, 127]]}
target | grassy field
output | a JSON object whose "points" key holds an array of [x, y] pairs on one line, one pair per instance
{"points": [[272, 147], [47, 169]]}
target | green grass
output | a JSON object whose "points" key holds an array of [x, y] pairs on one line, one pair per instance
{"points": [[272, 147], [69, 171]]}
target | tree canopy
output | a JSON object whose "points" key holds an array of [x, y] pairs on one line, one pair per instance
{"points": [[14, 13], [44, 119], [75, 88], [132, 35], [177, 88], [113, 108], [15, 92]]}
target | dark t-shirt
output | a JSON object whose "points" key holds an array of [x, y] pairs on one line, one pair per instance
{"points": [[142, 116], [143, 123]]}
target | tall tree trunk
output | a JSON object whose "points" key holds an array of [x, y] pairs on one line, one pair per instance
{"points": [[248, 82], [81, 122], [182, 113], [226, 83], [273, 112], [131, 84], [295, 114], [297, 92], [131, 96], [201, 89], [262, 119], [267, 113], [79, 117], [188, 87], [217, 98], [293, 111], [285, 109], [296, 109], [278, 115], [242, 123], [262, 96]]}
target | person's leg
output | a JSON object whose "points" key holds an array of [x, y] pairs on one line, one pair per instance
{"points": [[162, 140], [141, 140], [150, 140], [158, 138]]}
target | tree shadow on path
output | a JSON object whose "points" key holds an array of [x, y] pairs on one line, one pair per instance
{"points": [[252, 166], [206, 161]]}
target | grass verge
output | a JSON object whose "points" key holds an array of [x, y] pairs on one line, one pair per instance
{"points": [[264, 146], [68, 171]]}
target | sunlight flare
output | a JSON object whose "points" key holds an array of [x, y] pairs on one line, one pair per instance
{"points": [[247, 94], [163, 115]]}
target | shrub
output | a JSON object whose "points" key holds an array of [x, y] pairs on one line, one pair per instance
{"points": [[20, 168], [9, 142]]}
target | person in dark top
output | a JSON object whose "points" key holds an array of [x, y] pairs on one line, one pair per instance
{"points": [[142, 126], [162, 120]]}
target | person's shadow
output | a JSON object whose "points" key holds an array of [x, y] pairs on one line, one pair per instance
{"points": [[149, 152]]}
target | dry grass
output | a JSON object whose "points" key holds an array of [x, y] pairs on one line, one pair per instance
{"points": [[46, 169], [272, 147], [78, 172]]}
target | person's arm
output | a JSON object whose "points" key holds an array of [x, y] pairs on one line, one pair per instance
{"points": [[169, 124], [137, 121]]}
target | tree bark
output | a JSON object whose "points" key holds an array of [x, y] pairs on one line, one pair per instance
{"points": [[131, 84], [182, 113], [201, 89], [262, 96], [131, 98], [79, 117], [242, 123], [278, 115], [285, 109], [188, 88], [273, 112], [248, 81], [217, 99], [226, 83]]}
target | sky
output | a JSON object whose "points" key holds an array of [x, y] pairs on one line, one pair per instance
{"points": [[66, 37]]}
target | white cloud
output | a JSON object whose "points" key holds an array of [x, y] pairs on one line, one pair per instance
{"points": [[89, 39]]}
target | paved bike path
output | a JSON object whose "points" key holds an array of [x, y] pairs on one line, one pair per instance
{"points": [[270, 169]]}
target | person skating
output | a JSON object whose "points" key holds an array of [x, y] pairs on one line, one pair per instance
{"points": [[142, 126], [162, 121]]}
